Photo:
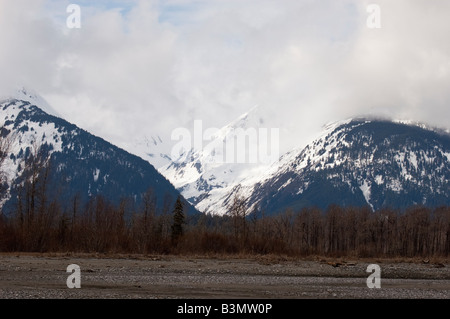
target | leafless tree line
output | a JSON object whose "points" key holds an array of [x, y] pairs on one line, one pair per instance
{"points": [[42, 224], [103, 227]]}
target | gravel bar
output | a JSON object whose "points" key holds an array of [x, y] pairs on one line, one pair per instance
{"points": [[171, 277]]}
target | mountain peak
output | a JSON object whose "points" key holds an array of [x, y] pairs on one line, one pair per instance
{"points": [[82, 165], [28, 95], [379, 163]]}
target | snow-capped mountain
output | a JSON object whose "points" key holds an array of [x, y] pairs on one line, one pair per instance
{"points": [[154, 149], [81, 164], [378, 163], [206, 173], [358, 162], [27, 95]]}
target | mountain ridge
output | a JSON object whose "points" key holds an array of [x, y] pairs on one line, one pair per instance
{"points": [[358, 161], [387, 175], [85, 164], [213, 194]]}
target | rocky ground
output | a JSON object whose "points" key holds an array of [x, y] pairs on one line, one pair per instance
{"points": [[26, 276]]}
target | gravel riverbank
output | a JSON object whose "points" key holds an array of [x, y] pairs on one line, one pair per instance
{"points": [[169, 277]]}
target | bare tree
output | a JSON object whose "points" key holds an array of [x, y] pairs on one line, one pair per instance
{"points": [[238, 211], [32, 214]]}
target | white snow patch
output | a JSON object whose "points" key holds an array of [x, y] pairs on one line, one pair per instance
{"points": [[400, 159], [414, 123], [448, 156], [285, 184], [302, 189], [379, 179], [96, 174], [395, 185], [413, 159], [365, 189]]}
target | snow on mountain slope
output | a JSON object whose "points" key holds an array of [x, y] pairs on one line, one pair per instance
{"points": [[219, 200], [351, 162], [27, 134], [370, 162], [226, 156], [82, 165], [153, 149], [360, 162], [25, 94]]}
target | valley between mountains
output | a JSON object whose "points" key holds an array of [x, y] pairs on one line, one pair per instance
{"points": [[357, 162], [363, 187]]}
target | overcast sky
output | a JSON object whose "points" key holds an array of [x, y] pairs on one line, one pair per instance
{"points": [[138, 68]]}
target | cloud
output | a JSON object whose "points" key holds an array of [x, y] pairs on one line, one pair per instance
{"points": [[401, 70], [30, 45], [143, 67]]}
